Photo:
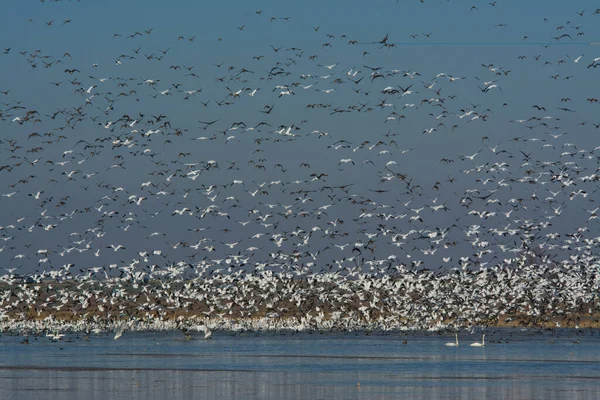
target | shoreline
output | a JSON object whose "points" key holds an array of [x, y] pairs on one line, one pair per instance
{"points": [[278, 325], [520, 295]]}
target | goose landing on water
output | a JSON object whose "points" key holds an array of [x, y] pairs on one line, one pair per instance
{"points": [[207, 332], [200, 328], [55, 336], [119, 331]]}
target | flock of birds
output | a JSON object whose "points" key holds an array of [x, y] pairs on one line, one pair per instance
{"points": [[272, 211]]}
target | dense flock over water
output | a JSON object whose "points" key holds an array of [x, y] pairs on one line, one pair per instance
{"points": [[280, 174]]}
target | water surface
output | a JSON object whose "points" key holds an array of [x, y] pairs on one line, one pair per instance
{"points": [[514, 364]]}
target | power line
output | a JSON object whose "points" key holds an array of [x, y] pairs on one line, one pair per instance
{"points": [[482, 43]]}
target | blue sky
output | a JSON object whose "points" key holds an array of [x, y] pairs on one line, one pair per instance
{"points": [[461, 41]]}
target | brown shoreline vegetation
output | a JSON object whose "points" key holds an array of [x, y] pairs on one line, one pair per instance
{"points": [[415, 300]]}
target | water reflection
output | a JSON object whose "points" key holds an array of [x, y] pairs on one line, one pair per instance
{"points": [[147, 384], [335, 366]]}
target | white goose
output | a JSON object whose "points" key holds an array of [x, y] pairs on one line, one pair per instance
{"points": [[119, 331]]}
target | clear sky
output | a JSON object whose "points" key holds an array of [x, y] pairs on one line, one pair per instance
{"points": [[114, 67]]}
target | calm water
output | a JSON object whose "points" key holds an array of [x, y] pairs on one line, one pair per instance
{"points": [[525, 365]]}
